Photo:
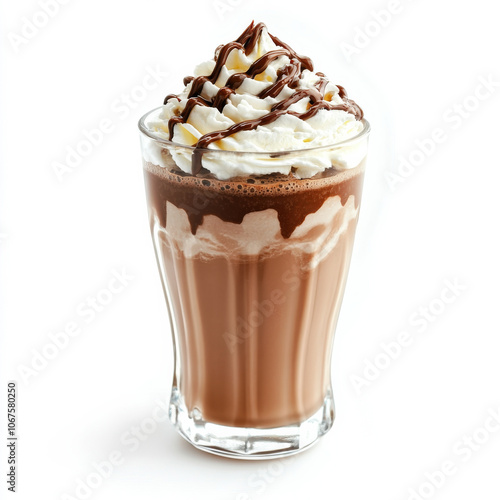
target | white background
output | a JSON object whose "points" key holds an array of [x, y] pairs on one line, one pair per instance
{"points": [[62, 239]]}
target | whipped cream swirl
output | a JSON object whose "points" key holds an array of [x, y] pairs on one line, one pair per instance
{"points": [[258, 95]]}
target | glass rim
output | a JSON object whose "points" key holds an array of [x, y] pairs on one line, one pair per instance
{"points": [[147, 132]]}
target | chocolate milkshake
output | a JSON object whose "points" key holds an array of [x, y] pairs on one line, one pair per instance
{"points": [[253, 177]]}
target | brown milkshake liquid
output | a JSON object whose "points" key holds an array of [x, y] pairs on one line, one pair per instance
{"points": [[252, 329]]}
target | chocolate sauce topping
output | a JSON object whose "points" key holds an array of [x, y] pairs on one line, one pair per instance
{"points": [[250, 36], [342, 92], [304, 60], [289, 75], [171, 96]]}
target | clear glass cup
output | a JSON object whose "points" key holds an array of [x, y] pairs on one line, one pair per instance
{"points": [[253, 269]]}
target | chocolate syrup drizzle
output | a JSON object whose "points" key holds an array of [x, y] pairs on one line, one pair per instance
{"points": [[288, 75]]}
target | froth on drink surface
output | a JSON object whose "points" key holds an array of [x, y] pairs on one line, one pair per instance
{"points": [[292, 198]]}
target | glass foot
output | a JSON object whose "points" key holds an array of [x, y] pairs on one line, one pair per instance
{"points": [[249, 443]]}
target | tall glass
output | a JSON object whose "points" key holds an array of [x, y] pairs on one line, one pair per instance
{"points": [[253, 269]]}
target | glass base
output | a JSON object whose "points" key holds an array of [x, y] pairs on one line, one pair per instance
{"points": [[249, 443]]}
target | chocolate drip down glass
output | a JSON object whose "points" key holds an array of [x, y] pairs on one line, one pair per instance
{"points": [[253, 270]]}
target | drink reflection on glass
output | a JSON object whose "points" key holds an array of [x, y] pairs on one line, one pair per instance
{"points": [[253, 179]]}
